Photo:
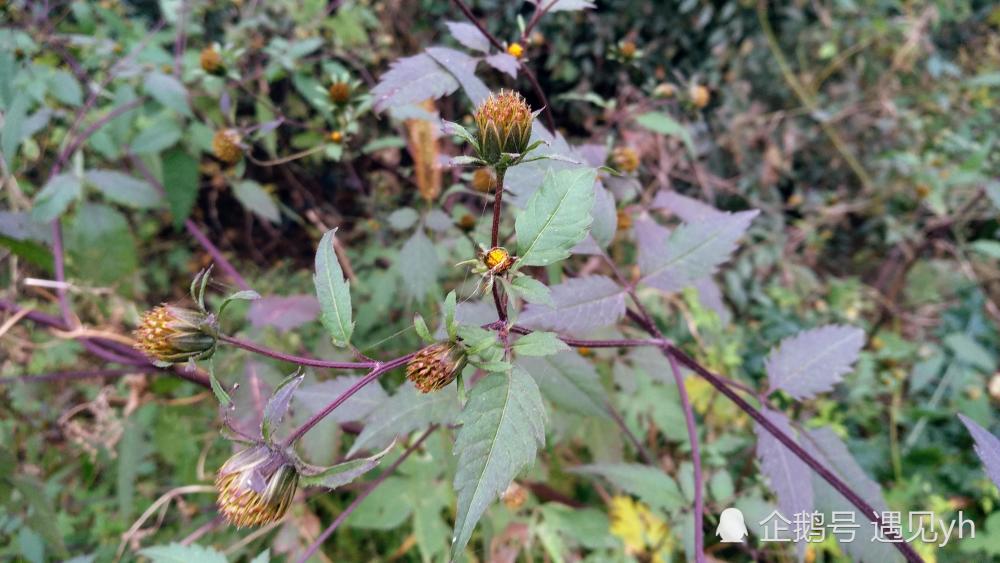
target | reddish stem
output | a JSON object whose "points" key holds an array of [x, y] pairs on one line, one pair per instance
{"points": [[300, 360]]}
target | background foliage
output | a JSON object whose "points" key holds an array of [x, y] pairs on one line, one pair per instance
{"points": [[863, 132]]}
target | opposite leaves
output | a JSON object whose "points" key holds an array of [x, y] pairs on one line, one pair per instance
{"points": [[333, 292], [556, 218], [503, 425]]}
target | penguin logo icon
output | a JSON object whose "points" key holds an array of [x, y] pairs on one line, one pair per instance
{"points": [[731, 528]]}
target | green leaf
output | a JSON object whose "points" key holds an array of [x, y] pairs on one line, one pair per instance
{"points": [[180, 182], [177, 553], [55, 197], [421, 327], [539, 344], [651, 485], [277, 404], [13, 128], [532, 290], [568, 381], [333, 292], [450, 307], [167, 90], [342, 473], [65, 88], [156, 136], [556, 217], [406, 411], [418, 265], [989, 248], [122, 188], [665, 125], [254, 198], [502, 427], [100, 245]]}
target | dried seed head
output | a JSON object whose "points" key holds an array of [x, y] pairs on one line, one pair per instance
{"points": [[504, 122], [255, 486], [226, 146], [484, 180], [340, 92], [515, 496], [627, 49], [498, 260], [435, 366], [467, 222], [699, 95], [515, 50], [211, 61], [171, 335], [626, 159]]}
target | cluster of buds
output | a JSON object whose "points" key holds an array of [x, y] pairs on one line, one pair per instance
{"points": [[256, 486], [504, 126], [171, 335], [435, 366], [226, 146]]}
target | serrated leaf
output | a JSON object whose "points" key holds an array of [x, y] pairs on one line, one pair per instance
{"points": [[539, 344], [13, 127], [167, 90], [418, 265], [814, 361], [504, 63], [568, 381], [579, 304], [177, 553], [469, 36], [257, 200], [411, 80], [503, 425], [790, 478], [342, 473], [406, 411], [65, 87], [665, 125], [55, 197], [555, 218], [689, 210], [316, 396], [694, 251], [122, 188], [277, 405], [651, 485], [463, 68], [157, 136], [987, 448], [180, 182], [532, 290], [333, 292]]}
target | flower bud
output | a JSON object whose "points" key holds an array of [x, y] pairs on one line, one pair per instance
{"points": [[664, 90], [336, 137], [627, 49], [498, 260], [435, 366], [467, 222], [504, 122], [171, 335], [699, 95], [211, 61], [484, 180], [625, 159], [515, 50], [515, 496], [339, 92], [226, 146], [256, 486]]}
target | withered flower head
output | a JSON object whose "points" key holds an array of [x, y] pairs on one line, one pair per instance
{"points": [[211, 61], [498, 260], [625, 159], [504, 122], [435, 366], [467, 222], [256, 486], [226, 146], [339, 92], [627, 49], [484, 180], [171, 335]]}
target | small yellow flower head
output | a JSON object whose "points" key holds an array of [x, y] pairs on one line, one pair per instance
{"points": [[515, 50], [484, 180], [664, 90], [340, 92], [504, 122], [700, 95], [584, 351], [435, 366], [515, 496], [226, 146], [171, 335], [498, 260], [624, 220], [255, 486], [336, 137], [211, 61], [627, 49], [625, 159]]}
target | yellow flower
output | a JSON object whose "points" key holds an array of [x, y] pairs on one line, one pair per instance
{"points": [[498, 260], [515, 50], [626, 159], [435, 366], [211, 61], [171, 335], [645, 535], [255, 486], [226, 146], [504, 122], [336, 137]]}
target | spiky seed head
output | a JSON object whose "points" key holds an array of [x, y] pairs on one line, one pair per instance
{"points": [[700, 95], [625, 159], [498, 260], [504, 123], [256, 486], [339, 92], [211, 61], [515, 50], [435, 366], [171, 335], [484, 180], [226, 146]]}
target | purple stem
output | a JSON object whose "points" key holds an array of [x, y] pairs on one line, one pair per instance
{"points": [[699, 503], [301, 360], [81, 374], [582, 343], [317, 417], [643, 452], [314, 546]]}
